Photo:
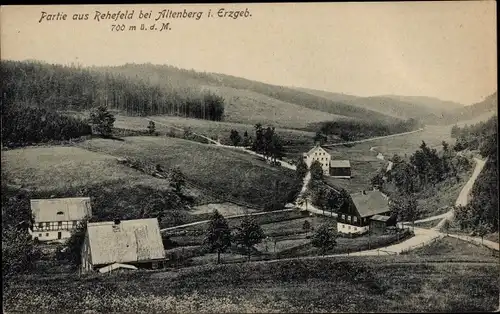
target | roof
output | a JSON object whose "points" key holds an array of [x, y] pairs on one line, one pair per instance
{"points": [[380, 218], [340, 164], [312, 150], [371, 203], [75, 208], [128, 241]]}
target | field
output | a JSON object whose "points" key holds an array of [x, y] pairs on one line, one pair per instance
{"points": [[225, 209], [244, 177], [248, 107], [212, 129], [454, 248], [61, 168], [350, 284]]}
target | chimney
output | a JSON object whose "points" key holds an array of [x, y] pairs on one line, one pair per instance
{"points": [[117, 221]]}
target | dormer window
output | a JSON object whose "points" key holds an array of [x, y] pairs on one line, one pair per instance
{"points": [[60, 213]]}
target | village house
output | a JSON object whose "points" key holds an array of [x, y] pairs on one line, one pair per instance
{"points": [[334, 168], [340, 169], [55, 218], [122, 244], [367, 209], [317, 153]]}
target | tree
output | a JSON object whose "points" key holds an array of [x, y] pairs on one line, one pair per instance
{"points": [[316, 171], [320, 138], [249, 233], [218, 236], [321, 198], [405, 207], [246, 140], [73, 245], [482, 228], [258, 144], [306, 226], [378, 180], [18, 252], [446, 226], [101, 120], [151, 127], [177, 180], [301, 168], [324, 238], [235, 137]]}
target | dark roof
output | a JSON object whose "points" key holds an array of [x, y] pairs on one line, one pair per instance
{"points": [[380, 218], [370, 203]]}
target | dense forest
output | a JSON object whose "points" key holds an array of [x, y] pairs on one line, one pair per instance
{"points": [[351, 130], [481, 214], [166, 74], [24, 125], [60, 87]]}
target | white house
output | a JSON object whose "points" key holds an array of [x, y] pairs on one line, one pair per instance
{"points": [[122, 244], [55, 218], [319, 154]]}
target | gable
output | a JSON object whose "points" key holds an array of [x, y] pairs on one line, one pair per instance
{"points": [[317, 149]]}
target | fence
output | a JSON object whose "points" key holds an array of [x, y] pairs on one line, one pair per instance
{"points": [[476, 242]]}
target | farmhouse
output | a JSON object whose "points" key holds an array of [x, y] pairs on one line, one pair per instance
{"points": [[317, 153], [363, 207], [128, 243], [340, 169], [55, 218]]}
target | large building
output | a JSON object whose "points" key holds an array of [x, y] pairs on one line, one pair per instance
{"points": [[55, 218], [317, 153], [136, 243], [334, 168], [363, 208]]}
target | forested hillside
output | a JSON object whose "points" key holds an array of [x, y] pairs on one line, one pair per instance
{"points": [[164, 74], [60, 87], [24, 125], [488, 106], [481, 215], [425, 109], [356, 130]]}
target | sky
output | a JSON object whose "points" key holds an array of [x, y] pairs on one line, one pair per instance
{"points": [[437, 49]]}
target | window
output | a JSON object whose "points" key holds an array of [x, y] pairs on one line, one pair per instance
{"points": [[60, 213], [349, 218], [47, 224], [40, 225], [59, 224], [74, 223], [40, 235], [343, 216], [46, 234], [349, 227], [355, 219]]}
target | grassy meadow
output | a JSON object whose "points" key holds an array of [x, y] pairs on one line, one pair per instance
{"points": [[350, 284], [244, 177], [212, 129]]}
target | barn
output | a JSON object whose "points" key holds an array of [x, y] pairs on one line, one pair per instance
{"points": [[340, 169], [136, 243]]}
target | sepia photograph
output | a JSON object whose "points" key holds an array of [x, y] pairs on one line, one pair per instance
{"points": [[250, 158]]}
